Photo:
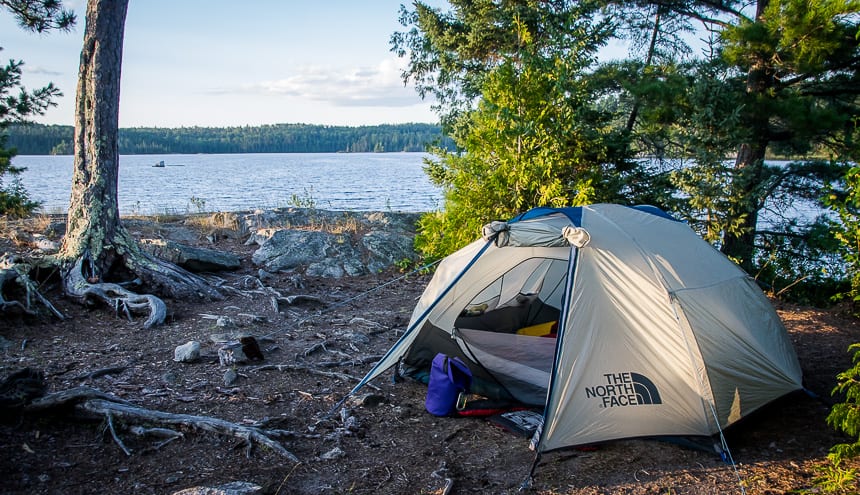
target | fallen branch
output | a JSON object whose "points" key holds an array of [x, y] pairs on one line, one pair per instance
{"points": [[295, 367], [101, 404], [115, 436], [350, 362], [101, 372]]}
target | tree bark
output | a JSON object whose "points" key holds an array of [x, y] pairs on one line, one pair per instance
{"points": [[749, 164], [97, 249], [93, 222]]}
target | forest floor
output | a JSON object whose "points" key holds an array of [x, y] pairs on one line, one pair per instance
{"points": [[384, 444]]}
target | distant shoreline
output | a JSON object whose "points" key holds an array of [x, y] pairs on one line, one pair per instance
{"points": [[39, 139]]}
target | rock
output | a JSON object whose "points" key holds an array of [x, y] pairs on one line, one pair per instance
{"points": [[55, 229], [191, 258], [231, 488], [287, 249], [335, 453], [187, 353], [42, 243], [230, 377], [357, 338], [231, 353], [367, 400], [368, 242], [386, 248], [225, 322], [330, 268]]}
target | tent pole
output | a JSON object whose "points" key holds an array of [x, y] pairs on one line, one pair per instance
{"points": [[527, 483]]}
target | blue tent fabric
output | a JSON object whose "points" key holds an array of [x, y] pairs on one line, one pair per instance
{"points": [[574, 213]]}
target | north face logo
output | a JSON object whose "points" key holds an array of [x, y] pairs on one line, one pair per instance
{"points": [[624, 389]]}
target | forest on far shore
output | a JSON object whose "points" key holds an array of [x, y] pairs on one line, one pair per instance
{"points": [[39, 139]]}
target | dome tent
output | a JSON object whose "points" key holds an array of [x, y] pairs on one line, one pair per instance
{"points": [[619, 321]]}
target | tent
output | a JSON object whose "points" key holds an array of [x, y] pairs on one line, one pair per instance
{"points": [[617, 321]]}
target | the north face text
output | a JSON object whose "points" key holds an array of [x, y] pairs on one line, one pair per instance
{"points": [[624, 389]]}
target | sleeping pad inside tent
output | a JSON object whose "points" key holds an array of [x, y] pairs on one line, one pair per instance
{"points": [[615, 321]]}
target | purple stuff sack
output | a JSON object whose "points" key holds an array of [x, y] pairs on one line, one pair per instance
{"points": [[448, 377]]}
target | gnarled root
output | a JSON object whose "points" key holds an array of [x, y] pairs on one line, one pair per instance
{"points": [[170, 279], [121, 299], [14, 269]]}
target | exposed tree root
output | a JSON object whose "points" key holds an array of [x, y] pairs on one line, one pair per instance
{"points": [[169, 279], [82, 283], [13, 269], [99, 404], [121, 299]]}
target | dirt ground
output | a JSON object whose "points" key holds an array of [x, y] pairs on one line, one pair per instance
{"points": [[385, 443]]}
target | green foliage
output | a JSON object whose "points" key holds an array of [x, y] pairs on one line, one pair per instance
{"points": [[537, 136], [846, 205], [844, 417], [835, 478], [278, 138], [305, 200], [14, 199], [40, 15], [17, 104]]}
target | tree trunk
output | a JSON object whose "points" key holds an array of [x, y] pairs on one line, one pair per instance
{"points": [[749, 165], [97, 249], [739, 244], [93, 225]]}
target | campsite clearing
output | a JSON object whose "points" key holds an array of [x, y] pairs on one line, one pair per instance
{"points": [[393, 446]]}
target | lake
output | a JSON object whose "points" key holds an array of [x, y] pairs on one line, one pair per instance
{"points": [[237, 182]]}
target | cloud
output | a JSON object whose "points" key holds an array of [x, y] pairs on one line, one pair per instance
{"points": [[41, 71], [374, 86]]}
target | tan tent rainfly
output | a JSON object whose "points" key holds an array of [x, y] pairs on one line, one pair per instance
{"points": [[619, 321]]}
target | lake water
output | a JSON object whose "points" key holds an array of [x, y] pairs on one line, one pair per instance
{"points": [[236, 182]]}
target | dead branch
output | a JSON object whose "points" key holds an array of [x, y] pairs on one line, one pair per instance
{"points": [[167, 434], [350, 362], [113, 434], [111, 370], [101, 404], [319, 346], [295, 367]]}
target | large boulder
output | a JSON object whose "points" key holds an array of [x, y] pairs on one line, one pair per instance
{"points": [[289, 248], [191, 258], [329, 243]]}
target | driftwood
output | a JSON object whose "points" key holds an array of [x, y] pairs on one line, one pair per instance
{"points": [[97, 403]]}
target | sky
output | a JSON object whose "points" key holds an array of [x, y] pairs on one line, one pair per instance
{"points": [[218, 63]]}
